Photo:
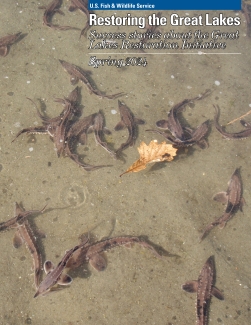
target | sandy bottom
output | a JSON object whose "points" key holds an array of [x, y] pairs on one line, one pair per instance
{"points": [[170, 203]]}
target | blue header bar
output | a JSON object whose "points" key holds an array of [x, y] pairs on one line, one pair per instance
{"points": [[165, 5]]}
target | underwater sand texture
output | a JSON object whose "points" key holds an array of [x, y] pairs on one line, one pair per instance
{"points": [[169, 203]]}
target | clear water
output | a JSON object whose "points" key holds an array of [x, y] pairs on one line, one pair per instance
{"points": [[169, 203]]}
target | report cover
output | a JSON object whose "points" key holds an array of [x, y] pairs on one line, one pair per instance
{"points": [[125, 138]]}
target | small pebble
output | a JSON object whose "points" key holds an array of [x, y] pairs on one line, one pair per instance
{"points": [[217, 83], [113, 111], [31, 149]]}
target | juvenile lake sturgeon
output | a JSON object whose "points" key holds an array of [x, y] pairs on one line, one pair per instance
{"points": [[25, 234], [227, 135], [233, 200], [205, 289]]}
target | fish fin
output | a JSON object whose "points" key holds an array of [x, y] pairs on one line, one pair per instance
{"points": [[18, 209], [17, 240], [74, 80], [206, 231], [189, 131], [60, 12], [222, 224], [48, 266], [90, 129], [84, 238], [190, 286], [3, 50], [139, 121], [242, 202], [221, 197], [128, 245], [132, 143], [65, 280], [162, 124], [203, 144], [106, 131], [217, 293], [36, 294], [120, 126], [70, 263], [83, 138], [98, 262]]}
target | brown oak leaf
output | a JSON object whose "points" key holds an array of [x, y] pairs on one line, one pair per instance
{"points": [[151, 153]]}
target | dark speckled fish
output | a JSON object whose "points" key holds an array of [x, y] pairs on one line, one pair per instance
{"points": [[82, 5], [99, 129], [193, 136], [183, 136], [92, 253], [50, 10], [57, 127], [6, 41], [78, 133], [24, 234], [204, 287], [130, 122], [55, 274], [227, 135], [76, 73], [233, 200]]}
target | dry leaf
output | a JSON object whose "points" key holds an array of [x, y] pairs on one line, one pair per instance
{"points": [[151, 153]]}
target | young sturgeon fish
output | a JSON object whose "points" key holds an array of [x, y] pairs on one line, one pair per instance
{"points": [[55, 274], [78, 133], [204, 287], [7, 41], [24, 234], [50, 10], [99, 130], [91, 253], [130, 122], [82, 5], [79, 129], [238, 135], [195, 136], [48, 127], [78, 73], [233, 200], [58, 126], [71, 109], [172, 124]]}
